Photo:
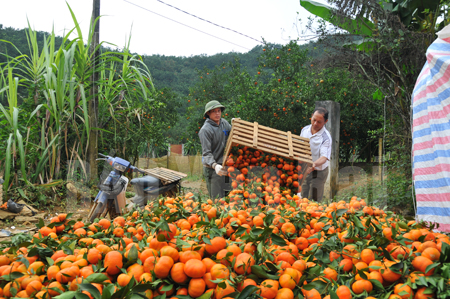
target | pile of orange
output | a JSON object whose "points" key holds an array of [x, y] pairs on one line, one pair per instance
{"points": [[189, 247], [258, 177]]}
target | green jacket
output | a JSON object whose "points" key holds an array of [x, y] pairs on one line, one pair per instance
{"points": [[213, 138]]}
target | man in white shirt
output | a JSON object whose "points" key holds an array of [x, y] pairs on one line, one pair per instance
{"points": [[320, 143]]}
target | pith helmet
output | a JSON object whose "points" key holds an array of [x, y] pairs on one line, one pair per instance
{"points": [[213, 105]]}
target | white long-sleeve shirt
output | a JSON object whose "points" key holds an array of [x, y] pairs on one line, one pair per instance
{"points": [[320, 144]]}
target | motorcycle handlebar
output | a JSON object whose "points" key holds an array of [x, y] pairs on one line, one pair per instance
{"points": [[135, 169], [131, 169]]}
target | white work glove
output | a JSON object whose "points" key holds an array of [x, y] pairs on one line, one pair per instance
{"points": [[219, 169]]}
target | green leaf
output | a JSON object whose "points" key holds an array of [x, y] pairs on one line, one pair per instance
{"points": [[96, 278], [378, 95], [360, 25], [140, 288], [22, 156], [387, 255], [340, 212], [108, 290], [7, 172], [277, 240], [272, 267], [247, 292], [432, 266], [316, 284], [22, 193], [12, 276], [167, 287], [206, 240], [376, 283], [133, 254], [91, 289], [66, 295], [206, 295], [261, 273], [81, 296]]}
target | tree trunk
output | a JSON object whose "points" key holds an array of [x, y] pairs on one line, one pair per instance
{"points": [[92, 152]]}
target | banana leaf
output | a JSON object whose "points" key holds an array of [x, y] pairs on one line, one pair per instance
{"points": [[360, 25]]}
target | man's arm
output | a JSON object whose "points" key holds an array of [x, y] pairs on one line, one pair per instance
{"points": [[207, 156], [320, 162], [325, 152]]}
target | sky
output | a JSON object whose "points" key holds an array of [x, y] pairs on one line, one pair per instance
{"points": [[277, 21]]}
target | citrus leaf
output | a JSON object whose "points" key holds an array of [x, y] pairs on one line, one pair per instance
{"points": [[432, 266], [247, 291], [376, 283], [205, 295], [142, 288], [96, 278], [81, 296], [316, 284], [277, 240], [91, 289], [12, 276], [66, 295]]}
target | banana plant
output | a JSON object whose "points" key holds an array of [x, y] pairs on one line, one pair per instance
{"points": [[421, 16], [358, 26]]}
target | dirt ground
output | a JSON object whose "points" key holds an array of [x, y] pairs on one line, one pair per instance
{"points": [[194, 186]]}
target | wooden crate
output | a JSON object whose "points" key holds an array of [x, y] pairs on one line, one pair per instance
{"points": [[166, 176], [269, 140]]}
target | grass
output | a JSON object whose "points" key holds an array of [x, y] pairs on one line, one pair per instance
{"points": [[194, 177]]}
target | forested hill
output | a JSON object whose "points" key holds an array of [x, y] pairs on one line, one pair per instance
{"points": [[177, 73]]}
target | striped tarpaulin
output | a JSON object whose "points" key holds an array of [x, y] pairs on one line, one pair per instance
{"points": [[431, 134]]}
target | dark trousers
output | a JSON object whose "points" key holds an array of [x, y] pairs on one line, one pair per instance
{"points": [[313, 185], [217, 185]]}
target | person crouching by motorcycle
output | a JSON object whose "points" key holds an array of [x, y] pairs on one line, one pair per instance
{"points": [[213, 137]]}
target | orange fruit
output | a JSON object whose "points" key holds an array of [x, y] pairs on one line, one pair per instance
{"points": [[113, 262]]}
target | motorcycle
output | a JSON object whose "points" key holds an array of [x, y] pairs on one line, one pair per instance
{"points": [[111, 197]]}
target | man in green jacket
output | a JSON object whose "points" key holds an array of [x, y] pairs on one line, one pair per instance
{"points": [[213, 137]]}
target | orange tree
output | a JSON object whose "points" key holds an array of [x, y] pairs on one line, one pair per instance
{"points": [[282, 95], [131, 126]]}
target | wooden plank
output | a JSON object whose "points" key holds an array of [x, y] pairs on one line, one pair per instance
{"points": [[268, 150], [268, 129], [291, 151], [296, 141], [255, 135], [281, 148], [269, 140], [160, 174], [168, 173], [177, 173], [274, 150], [274, 142], [165, 175], [276, 138], [228, 146]]}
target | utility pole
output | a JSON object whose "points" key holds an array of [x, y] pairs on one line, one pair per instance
{"points": [[92, 152]]}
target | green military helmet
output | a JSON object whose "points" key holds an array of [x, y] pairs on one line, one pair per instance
{"points": [[213, 105]]}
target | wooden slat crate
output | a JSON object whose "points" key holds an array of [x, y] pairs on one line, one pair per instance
{"points": [[269, 140], [166, 176]]}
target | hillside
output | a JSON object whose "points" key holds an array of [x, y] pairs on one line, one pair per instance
{"points": [[174, 72]]}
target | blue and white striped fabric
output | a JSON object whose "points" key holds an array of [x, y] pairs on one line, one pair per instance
{"points": [[431, 134]]}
